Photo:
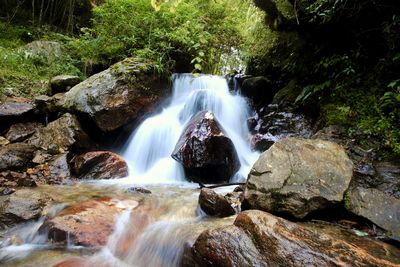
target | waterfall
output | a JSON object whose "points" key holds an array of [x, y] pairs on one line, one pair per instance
{"points": [[148, 151]]}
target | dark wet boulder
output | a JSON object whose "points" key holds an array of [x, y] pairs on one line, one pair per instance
{"points": [[215, 204], [100, 165], [21, 131], [205, 151], [259, 89], [114, 97], [60, 135], [260, 239], [16, 156], [278, 123], [63, 83], [298, 176], [22, 206], [89, 223]]}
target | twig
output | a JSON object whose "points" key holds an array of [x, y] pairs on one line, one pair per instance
{"points": [[217, 185]]}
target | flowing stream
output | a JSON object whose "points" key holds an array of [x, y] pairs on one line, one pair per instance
{"points": [[168, 220], [149, 149]]}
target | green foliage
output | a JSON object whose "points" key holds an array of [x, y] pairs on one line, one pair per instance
{"points": [[191, 33], [26, 74]]}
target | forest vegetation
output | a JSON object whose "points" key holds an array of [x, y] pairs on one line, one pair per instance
{"points": [[336, 59]]}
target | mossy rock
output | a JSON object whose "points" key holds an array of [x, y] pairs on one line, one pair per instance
{"points": [[288, 93], [118, 95]]}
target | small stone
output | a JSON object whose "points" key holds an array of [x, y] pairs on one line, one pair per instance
{"points": [[3, 141]]}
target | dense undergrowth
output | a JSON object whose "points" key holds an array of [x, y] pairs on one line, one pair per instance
{"points": [[340, 59], [198, 36]]}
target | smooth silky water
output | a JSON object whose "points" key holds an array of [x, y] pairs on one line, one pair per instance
{"points": [[168, 220]]}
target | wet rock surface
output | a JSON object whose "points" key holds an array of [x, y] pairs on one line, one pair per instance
{"points": [[276, 123], [205, 151], [114, 97], [298, 176], [60, 135], [21, 131], [215, 204], [100, 165], [89, 223], [16, 156], [261, 239], [22, 206]]}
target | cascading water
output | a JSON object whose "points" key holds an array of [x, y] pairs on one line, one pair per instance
{"points": [[157, 232], [149, 149]]}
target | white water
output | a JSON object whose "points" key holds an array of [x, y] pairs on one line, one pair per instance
{"points": [[149, 149], [157, 233]]}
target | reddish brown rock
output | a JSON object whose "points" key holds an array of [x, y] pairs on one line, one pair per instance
{"points": [[215, 204], [21, 131], [88, 224], [100, 165], [261, 239], [205, 151]]}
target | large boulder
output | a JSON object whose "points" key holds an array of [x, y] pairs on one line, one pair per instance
{"points": [[63, 83], [89, 223], [205, 151], [16, 156], [258, 89], [298, 176], [60, 135], [50, 50], [22, 206], [118, 95], [261, 239], [215, 204], [21, 131], [100, 165]]}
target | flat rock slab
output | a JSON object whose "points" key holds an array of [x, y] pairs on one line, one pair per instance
{"points": [[21, 131], [89, 223], [261, 239]]}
